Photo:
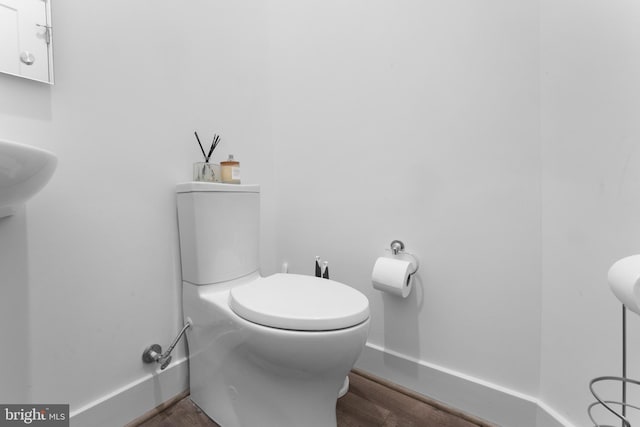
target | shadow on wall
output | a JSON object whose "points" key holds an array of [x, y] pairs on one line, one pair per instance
{"points": [[14, 309], [401, 326]]}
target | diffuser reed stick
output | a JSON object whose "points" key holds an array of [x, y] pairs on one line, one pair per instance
{"points": [[201, 149], [214, 144]]}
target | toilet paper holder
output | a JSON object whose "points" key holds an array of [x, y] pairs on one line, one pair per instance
{"points": [[394, 273], [397, 250]]}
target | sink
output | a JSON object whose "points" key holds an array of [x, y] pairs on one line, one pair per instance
{"points": [[24, 171]]}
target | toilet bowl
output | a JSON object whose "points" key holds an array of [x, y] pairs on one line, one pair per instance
{"points": [[263, 351]]}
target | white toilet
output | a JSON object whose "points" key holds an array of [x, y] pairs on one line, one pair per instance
{"points": [[263, 351]]}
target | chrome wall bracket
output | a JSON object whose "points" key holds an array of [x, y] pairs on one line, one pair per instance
{"points": [[397, 246], [397, 250], [154, 353]]}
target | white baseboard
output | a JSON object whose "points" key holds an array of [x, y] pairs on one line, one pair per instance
{"points": [[129, 402], [547, 416], [491, 402]]}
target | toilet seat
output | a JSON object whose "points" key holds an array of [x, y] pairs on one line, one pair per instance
{"points": [[300, 303]]}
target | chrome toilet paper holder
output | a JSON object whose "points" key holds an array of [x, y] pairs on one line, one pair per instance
{"points": [[397, 250]]}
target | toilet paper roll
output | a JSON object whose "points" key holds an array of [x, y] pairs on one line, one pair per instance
{"points": [[624, 280], [393, 276]]}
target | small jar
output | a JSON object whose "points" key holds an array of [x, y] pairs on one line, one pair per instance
{"points": [[230, 170]]}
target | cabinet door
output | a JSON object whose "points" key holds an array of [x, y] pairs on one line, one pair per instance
{"points": [[25, 38]]}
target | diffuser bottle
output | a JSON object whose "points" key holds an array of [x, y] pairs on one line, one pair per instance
{"points": [[230, 170]]}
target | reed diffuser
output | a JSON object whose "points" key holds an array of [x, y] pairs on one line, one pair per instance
{"points": [[205, 171]]}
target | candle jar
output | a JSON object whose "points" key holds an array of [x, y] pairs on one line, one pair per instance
{"points": [[230, 169], [206, 172]]}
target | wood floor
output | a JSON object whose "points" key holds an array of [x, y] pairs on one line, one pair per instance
{"points": [[367, 404]]}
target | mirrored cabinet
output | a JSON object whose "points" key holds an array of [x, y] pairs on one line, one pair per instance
{"points": [[26, 44]]}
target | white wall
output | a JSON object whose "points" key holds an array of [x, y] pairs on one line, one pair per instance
{"points": [[98, 263], [418, 121], [499, 141], [591, 182]]}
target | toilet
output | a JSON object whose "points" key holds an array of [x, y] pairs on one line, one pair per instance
{"points": [[263, 351]]}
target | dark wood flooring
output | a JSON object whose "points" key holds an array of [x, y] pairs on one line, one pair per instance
{"points": [[369, 403]]}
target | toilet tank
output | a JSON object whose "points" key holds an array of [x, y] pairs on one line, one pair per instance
{"points": [[219, 231]]}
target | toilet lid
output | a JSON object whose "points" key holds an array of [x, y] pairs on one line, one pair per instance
{"points": [[301, 303]]}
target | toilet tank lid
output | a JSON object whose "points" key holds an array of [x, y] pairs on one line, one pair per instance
{"points": [[195, 186]]}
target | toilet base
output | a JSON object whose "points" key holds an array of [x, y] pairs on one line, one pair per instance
{"points": [[246, 375]]}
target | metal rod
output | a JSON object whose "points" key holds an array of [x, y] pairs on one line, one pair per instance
{"points": [[173, 344], [624, 363], [606, 404]]}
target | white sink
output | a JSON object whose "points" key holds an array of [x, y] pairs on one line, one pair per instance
{"points": [[24, 170]]}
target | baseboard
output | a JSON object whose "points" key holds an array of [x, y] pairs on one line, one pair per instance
{"points": [[491, 402], [123, 405], [547, 416]]}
